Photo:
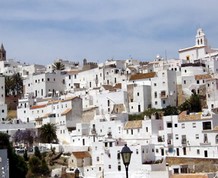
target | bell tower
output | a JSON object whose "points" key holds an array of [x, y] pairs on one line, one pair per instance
{"points": [[2, 53], [201, 39]]}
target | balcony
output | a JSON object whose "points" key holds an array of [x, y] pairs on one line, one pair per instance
{"points": [[163, 95], [205, 144]]}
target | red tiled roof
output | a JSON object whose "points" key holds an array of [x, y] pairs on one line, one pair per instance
{"points": [[81, 154], [203, 76], [140, 76], [38, 106], [66, 111]]}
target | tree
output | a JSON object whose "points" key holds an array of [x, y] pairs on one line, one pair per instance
{"points": [[58, 66], [37, 152], [170, 110], [34, 164], [25, 155], [47, 133], [44, 169], [18, 167], [193, 104], [13, 84], [18, 83], [8, 85], [24, 136]]}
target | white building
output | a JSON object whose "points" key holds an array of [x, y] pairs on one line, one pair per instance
{"points": [[4, 163], [190, 135], [164, 89], [45, 84], [3, 106], [198, 51], [212, 93]]}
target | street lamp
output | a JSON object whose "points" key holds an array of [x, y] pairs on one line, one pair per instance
{"points": [[76, 173], [126, 156]]}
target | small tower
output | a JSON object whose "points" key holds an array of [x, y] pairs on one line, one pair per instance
{"points": [[2, 53], [200, 39]]}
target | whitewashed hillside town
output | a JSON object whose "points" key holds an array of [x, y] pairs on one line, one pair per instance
{"points": [[90, 104]]}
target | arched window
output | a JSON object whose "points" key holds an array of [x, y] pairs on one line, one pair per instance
{"points": [[216, 139]]}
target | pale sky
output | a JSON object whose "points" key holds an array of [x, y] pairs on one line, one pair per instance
{"points": [[40, 31]]}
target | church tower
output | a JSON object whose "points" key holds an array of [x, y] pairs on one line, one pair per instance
{"points": [[2, 53], [201, 39]]}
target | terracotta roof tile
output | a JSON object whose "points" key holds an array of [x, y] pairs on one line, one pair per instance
{"points": [[118, 86], [72, 72], [109, 87], [133, 124], [38, 106], [66, 111], [140, 76], [197, 175], [189, 117], [203, 76], [81, 154]]}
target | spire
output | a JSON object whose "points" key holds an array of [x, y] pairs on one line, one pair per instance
{"points": [[2, 47], [2, 53], [200, 39]]}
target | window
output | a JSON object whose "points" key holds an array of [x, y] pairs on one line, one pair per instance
{"points": [[194, 125], [183, 125], [177, 136], [109, 166], [155, 94], [118, 155], [205, 138], [198, 151], [138, 94], [164, 102], [175, 125], [197, 81], [197, 136], [119, 168], [97, 158], [155, 103], [206, 125], [176, 170], [155, 84], [184, 81], [169, 124], [216, 139]]}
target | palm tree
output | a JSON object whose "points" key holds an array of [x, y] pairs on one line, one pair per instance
{"points": [[58, 66], [47, 133]]}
